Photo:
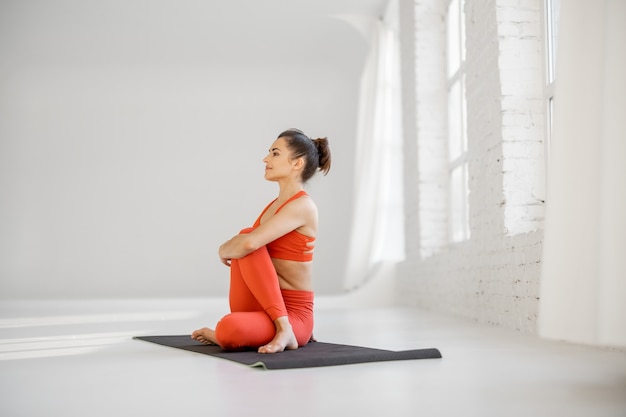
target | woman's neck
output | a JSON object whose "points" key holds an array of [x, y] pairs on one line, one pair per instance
{"points": [[289, 189]]}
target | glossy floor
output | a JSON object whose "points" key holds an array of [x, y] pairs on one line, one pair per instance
{"points": [[79, 359]]}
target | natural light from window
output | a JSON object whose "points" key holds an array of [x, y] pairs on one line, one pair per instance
{"points": [[551, 13], [457, 124]]}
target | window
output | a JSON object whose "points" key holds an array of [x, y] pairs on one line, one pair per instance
{"points": [[551, 12], [457, 124]]}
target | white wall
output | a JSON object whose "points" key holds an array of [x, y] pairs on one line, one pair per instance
{"points": [[583, 283], [129, 151], [494, 276]]}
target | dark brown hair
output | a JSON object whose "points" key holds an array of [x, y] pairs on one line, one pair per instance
{"points": [[316, 152]]}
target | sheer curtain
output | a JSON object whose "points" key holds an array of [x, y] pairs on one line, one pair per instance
{"points": [[377, 233], [583, 284]]}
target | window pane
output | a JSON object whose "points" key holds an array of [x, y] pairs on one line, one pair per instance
{"points": [[459, 207], [455, 122], [453, 37], [463, 111], [553, 8], [456, 204], [465, 198], [462, 26]]}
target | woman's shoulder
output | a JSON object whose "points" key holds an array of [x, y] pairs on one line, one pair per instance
{"points": [[307, 201], [304, 205]]}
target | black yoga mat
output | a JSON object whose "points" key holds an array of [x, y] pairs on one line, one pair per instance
{"points": [[312, 355]]}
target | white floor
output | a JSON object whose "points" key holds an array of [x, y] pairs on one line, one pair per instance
{"points": [[78, 359]]}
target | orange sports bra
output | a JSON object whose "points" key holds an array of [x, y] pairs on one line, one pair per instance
{"points": [[293, 246]]}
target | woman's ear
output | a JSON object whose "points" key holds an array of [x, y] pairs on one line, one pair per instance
{"points": [[298, 163]]}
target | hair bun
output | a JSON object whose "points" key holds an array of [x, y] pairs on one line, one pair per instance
{"points": [[323, 150]]}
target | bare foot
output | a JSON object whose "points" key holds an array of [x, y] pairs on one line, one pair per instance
{"points": [[284, 338], [205, 335]]}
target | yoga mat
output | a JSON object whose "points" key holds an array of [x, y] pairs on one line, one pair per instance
{"points": [[312, 355]]}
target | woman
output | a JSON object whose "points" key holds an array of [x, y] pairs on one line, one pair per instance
{"points": [[271, 292]]}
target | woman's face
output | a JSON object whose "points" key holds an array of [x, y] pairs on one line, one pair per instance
{"points": [[278, 163]]}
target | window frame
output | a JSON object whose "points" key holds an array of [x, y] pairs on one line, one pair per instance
{"points": [[550, 27], [458, 217]]}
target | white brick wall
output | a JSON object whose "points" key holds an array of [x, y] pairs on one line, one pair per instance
{"points": [[431, 118], [521, 82], [493, 277]]}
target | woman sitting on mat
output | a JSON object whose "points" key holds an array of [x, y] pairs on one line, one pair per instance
{"points": [[271, 292]]}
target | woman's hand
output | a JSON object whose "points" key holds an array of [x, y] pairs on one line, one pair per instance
{"points": [[237, 247], [223, 258]]}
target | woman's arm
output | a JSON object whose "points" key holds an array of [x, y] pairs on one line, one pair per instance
{"points": [[298, 214], [235, 248]]}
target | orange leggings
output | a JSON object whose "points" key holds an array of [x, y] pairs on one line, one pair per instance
{"points": [[256, 300]]}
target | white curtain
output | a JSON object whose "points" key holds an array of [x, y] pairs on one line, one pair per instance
{"points": [[377, 232], [583, 284]]}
